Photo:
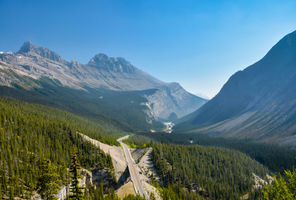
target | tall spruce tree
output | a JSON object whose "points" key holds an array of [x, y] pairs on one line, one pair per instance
{"points": [[282, 188], [49, 182], [75, 189], [1, 191]]}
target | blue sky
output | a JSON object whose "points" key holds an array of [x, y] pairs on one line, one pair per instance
{"points": [[196, 43]]}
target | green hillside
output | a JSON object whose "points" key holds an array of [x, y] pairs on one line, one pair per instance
{"points": [[277, 158], [117, 111], [211, 172], [30, 133]]}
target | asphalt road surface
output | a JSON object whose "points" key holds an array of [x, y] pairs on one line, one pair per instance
{"points": [[132, 167]]}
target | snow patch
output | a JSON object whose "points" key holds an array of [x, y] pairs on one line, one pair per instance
{"points": [[3, 52]]}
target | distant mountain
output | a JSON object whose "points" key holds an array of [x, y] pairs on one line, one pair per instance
{"points": [[37, 68], [258, 102]]}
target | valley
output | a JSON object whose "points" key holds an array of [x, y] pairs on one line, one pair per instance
{"points": [[107, 163], [108, 130]]}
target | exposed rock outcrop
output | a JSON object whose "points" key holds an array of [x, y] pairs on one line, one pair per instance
{"points": [[100, 72]]}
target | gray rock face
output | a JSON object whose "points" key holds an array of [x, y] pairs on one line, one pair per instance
{"points": [[117, 65], [172, 99], [101, 72], [258, 102], [29, 48]]}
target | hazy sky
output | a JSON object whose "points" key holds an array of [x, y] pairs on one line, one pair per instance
{"points": [[196, 43]]}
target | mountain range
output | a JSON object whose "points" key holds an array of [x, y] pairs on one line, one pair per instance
{"points": [[35, 68], [258, 102]]}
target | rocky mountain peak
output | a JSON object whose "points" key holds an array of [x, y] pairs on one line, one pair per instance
{"points": [[284, 50], [98, 58], [29, 48], [102, 61], [258, 102], [290, 39], [102, 71], [174, 85]]}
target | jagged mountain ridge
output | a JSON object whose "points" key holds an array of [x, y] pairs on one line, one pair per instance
{"points": [[101, 72], [258, 102]]}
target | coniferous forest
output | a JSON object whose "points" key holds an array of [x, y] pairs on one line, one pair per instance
{"points": [[31, 134], [276, 158], [212, 172], [38, 144]]}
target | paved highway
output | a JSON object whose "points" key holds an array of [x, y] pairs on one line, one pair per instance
{"points": [[132, 167]]}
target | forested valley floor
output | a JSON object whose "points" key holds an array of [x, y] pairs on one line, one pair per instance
{"points": [[32, 135]]}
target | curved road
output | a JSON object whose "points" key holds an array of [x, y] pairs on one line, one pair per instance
{"points": [[132, 169]]}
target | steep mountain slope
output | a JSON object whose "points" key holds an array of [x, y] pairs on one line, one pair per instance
{"points": [[102, 72], [258, 102], [116, 111]]}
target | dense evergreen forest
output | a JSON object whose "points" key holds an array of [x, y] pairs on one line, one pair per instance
{"points": [[276, 158], [35, 137], [36, 146], [30, 134], [213, 172]]}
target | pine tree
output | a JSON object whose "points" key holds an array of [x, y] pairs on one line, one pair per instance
{"points": [[282, 188], [1, 191], [99, 194], [48, 182], [11, 193], [75, 189]]}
